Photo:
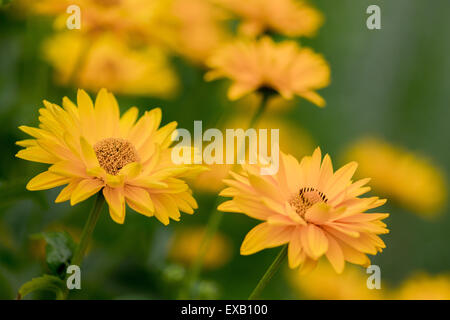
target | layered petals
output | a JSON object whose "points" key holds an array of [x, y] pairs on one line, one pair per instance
{"points": [[315, 210]]}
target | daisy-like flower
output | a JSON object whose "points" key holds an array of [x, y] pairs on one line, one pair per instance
{"points": [[315, 210], [91, 149], [262, 64], [288, 17]]}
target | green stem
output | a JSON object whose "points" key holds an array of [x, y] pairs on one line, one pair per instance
{"points": [[215, 218], [269, 273], [86, 234]]}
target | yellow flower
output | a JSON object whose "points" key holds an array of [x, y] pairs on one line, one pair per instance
{"points": [[322, 283], [410, 179], [187, 242], [422, 286], [283, 67], [130, 20], [292, 138], [91, 148], [289, 17], [108, 63], [313, 209], [198, 29]]}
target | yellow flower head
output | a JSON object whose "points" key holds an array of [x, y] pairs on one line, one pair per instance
{"points": [[91, 148], [422, 286], [284, 67], [288, 17], [313, 209], [410, 179], [109, 63]]}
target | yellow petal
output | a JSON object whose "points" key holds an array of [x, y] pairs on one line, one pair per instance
{"points": [[46, 180], [116, 202], [139, 200], [85, 189], [295, 256], [106, 113], [335, 255], [127, 121], [66, 193], [131, 170], [68, 169], [87, 115], [265, 236], [37, 154], [88, 153]]}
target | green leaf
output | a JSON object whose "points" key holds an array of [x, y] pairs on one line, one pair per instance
{"points": [[59, 251], [44, 283]]}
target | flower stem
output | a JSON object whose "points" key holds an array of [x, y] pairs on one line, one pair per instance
{"points": [[215, 217], [86, 234], [269, 274]]}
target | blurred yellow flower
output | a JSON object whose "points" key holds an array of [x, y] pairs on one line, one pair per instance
{"points": [[424, 287], [410, 179], [293, 139], [186, 245], [288, 17], [198, 29], [91, 148], [108, 63], [135, 20], [262, 64], [313, 209], [323, 284]]}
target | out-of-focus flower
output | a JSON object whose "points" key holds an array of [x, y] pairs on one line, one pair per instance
{"points": [[313, 209], [410, 179], [91, 148], [322, 283], [288, 17], [108, 63], [190, 28], [198, 29], [136, 20], [186, 245], [262, 64], [424, 287], [292, 138]]}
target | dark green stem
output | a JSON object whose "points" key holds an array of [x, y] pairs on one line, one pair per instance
{"points": [[86, 234], [269, 273]]}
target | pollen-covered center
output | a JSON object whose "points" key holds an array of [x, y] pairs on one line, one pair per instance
{"points": [[305, 199], [114, 153]]}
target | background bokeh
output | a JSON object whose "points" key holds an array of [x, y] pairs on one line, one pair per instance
{"points": [[392, 85]]}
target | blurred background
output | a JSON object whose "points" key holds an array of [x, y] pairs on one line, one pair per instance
{"points": [[388, 108]]}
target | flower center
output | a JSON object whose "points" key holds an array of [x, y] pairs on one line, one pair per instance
{"points": [[305, 199], [114, 153]]}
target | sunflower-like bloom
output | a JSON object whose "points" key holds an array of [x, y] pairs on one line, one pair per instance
{"points": [[313, 209], [288, 17], [411, 179], [91, 148], [284, 67]]}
